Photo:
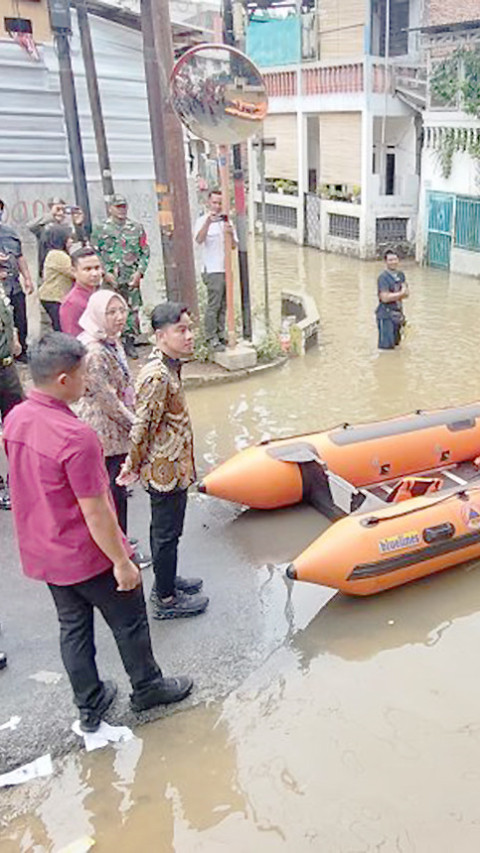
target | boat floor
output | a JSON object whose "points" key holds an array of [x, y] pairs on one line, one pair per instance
{"points": [[453, 476]]}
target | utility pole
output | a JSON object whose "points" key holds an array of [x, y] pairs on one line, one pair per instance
{"points": [[95, 102], [60, 21], [169, 157], [239, 192]]}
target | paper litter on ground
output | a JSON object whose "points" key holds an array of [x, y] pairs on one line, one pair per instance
{"points": [[104, 734], [12, 724], [40, 767], [45, 676]]}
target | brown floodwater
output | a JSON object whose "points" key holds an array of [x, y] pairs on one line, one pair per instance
{"points": [[360, 730]]}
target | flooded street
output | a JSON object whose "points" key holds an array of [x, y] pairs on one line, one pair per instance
{"points": [[354, 724]]}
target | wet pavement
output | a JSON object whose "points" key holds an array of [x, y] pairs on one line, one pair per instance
{"points": [[319, 722]]}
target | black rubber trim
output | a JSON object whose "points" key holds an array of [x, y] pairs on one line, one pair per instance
{"points": [[453, 419], [394, 564]]}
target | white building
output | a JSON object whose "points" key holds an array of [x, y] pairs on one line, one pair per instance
{"points": [[344, 175], [449, 232]]}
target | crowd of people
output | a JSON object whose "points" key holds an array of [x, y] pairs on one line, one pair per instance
{"points": [[83, 435]]}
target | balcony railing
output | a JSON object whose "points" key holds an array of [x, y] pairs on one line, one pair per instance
{"points": [[331, 79]]}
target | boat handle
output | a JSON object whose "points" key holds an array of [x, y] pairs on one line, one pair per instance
{"points": [[439, 532]]}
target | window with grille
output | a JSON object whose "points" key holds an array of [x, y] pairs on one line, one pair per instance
{"points": [[391, 229], [347, 227], [277, 214], [467, 224]]}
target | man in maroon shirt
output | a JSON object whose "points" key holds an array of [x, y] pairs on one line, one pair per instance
{"points": [[88, 277], [68, 534]]}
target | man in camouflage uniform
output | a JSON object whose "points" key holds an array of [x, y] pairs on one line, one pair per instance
{"points": [[11, 391], [122, 246]]}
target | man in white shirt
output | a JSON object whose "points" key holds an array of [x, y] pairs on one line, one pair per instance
{"points": [[209, 232]]}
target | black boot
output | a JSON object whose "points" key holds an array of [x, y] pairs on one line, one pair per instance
{"points": [[129, 347]]}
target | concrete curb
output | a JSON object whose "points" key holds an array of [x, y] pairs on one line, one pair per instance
{"points": [[223, 377]]}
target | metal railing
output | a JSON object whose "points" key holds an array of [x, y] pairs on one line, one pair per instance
{"points": [[333, 78]]}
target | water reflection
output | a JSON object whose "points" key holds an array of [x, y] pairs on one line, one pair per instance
{"points": [[418, 613]]}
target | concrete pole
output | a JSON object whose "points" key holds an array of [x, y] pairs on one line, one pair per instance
{"points": [[300, 138], [95, 102], [70, 110], [239, 191], [224, 169]]}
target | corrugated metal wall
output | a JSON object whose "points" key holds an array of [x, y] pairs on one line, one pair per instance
{"points": [[33, 145]]}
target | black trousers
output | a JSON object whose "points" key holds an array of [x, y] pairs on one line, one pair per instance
{"points": [[53, 311], [119, 493], [126, 616], [19, 305], [166, 527], [11, 391]]}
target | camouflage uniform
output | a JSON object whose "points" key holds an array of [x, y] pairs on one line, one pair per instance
{"points": [[124, 251]]}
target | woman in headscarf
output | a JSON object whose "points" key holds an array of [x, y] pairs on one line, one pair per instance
{"points": [[57, 272], [108, 404]]}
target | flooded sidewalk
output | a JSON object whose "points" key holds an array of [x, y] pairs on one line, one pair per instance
{"points": [[320, 722]]}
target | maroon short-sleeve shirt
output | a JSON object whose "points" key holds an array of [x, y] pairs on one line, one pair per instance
{"points": [[54, 458], [72, 308]]}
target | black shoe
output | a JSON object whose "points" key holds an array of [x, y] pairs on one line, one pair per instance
{"points": [[181, 605], [188, 585], [5, 502], [129, 348], [162, 692], [3, 660], [90, 718], [22, 358], [143, 561]]}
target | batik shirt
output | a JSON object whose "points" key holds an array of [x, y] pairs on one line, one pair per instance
{"points": [[161, 440]]}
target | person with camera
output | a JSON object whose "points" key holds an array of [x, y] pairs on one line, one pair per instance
{"points": [[392, 290], [59, 213], [209, 232]]}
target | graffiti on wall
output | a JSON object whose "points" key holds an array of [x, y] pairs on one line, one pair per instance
{"points": [[21, 212]]}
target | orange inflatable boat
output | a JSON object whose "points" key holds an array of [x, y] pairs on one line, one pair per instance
{"points": [[404, 495]]}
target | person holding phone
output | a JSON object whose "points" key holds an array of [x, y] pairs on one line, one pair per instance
{"points": [[209, 233]]}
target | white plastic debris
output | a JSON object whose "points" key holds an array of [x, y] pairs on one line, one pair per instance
{"points": [[45, 676], [105, 734], [81, 845], [40, 767], [12, 724]]}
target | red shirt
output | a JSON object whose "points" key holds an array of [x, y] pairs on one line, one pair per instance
{"points": [[54, 458], [73, 307]]}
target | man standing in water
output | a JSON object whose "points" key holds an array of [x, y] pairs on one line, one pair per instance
{"points": [[392, 290]]}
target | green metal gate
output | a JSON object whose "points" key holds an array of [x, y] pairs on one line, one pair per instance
{"points": [[441, 218]]}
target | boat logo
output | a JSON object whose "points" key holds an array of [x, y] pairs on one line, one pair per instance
{"points": [[471, 516], [399, 542]]}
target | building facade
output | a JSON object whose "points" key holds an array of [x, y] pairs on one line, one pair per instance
{"points": [[346, 120], [34, 157], [449, 215]]}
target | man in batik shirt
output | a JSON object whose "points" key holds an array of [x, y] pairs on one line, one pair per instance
{"points": [[123, 248]]}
